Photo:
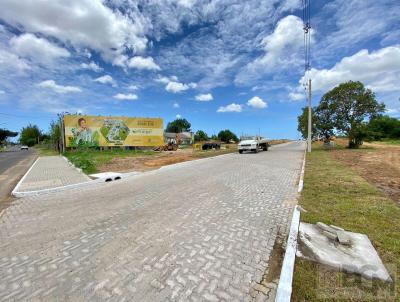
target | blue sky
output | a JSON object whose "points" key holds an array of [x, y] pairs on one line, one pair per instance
{"points": [[219, 64]]}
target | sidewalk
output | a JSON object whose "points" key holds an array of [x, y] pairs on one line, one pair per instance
{"points": [[50, 172]]}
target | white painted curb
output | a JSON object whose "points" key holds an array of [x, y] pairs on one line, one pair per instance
{"points": [[23, 178], [284, 290], [301, 181]]}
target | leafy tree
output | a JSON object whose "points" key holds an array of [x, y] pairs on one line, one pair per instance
{"points": [[302, 126], [179, 125], [384, 126], [348, 106], [227, 135], [30, 135], [4, 134], [55, 134], [200, 135], [214, 137]]}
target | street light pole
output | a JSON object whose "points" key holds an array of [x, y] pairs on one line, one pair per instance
{"points": [[309, 117]]}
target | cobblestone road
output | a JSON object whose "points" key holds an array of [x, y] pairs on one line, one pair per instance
{"points": [[50, 172], [198, 231]]}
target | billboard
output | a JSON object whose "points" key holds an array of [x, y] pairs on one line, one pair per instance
{"points": [[107, 131]]}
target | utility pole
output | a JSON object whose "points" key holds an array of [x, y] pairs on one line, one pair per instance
{"points": [[309, 117]]}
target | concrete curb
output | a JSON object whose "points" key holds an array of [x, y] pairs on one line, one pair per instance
{"points": [[14, 191], [284, 290], [301, 181], [76, 168]]}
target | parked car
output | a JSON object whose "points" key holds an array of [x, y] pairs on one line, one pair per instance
{"points": [[24, 147], [211, 146], [253, 144]]}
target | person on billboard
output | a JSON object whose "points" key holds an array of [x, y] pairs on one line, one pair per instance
{"points": [[83, 133]]}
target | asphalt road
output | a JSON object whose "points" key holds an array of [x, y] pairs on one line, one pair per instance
{"points": [[13, 165], [198, 231]]}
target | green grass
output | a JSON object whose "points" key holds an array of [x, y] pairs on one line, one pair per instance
{"points": [[390, 141], [334, 194], [89, 160], [45, 151]]}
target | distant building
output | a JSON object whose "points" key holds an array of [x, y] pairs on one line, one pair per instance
{"points": [[186, 138]]}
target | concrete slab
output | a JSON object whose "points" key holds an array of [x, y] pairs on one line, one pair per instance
{"points": [[356, 256]]}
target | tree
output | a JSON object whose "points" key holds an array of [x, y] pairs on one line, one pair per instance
{"points": [[227, 135], [348, 106], [55, 135], [179, 125], [384, 126], [302, 125], [4, 134], [200, 135], [30, 135]]}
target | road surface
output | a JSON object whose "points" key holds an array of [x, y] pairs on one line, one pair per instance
{"points": [[198, 231], [13, 165]]}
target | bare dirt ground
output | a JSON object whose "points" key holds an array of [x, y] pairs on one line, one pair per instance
{"points": [[146, 163], [379, 165], [164, 158]]}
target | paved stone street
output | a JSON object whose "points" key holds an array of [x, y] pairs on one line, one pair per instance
{"points": [[50, 172], [197, 231]]}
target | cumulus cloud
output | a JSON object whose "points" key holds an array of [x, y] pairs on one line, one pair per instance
{"points": [[82, 23], [129, 96], [11, 63], [173, 85], [139, 62], [92, 66], [379, 70], [37, 49], [296, 96], [133, 87], [50, 84], [204, 97], [106, 79], [178, 116], [257, 102], [175, 105], [281, 47], [231, 108]]}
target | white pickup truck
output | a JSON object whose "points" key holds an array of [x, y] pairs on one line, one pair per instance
{"points": [[252, 143]]}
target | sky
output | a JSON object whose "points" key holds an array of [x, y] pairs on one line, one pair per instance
{"points": [[224, 64]]}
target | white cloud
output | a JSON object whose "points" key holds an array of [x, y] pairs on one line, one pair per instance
{"points": [[282, 50], [257, 102], [378, 70], [143, 63], [231, 108], [50, 84], [82, 23], [129, 96], [133, 87], [38, 49], [178, 116], [176, 105], [204, 97], [11, 63], [92, 66], [105, 79], [296, 96], [176, 87], [2, 92]]}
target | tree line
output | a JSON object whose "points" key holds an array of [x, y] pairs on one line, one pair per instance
{"points": [[182, 125], [349, 110]]}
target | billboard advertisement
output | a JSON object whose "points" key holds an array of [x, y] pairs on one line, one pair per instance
{"points": [[108, 131]]}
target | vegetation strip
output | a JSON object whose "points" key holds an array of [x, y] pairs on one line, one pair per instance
{"points": [[334, 194]]}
